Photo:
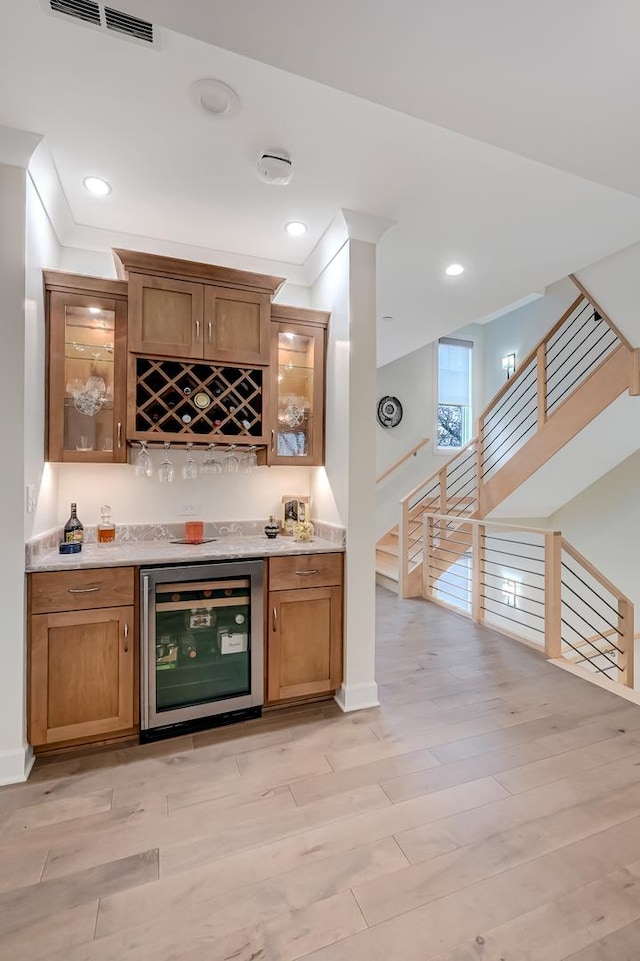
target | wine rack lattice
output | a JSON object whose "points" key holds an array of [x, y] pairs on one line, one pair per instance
{"points": [[191, 399]]}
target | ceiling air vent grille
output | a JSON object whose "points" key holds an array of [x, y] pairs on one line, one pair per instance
{"points": [[131, 26], [85, 10]]}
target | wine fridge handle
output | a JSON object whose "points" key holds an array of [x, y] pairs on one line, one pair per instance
{"points": [[125, 633], [119, 433], [145, 652], [275, 619]]}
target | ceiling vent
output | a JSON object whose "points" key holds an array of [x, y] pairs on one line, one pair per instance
{"points": [[96, 15]]}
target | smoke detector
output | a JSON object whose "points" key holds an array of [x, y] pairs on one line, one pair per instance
{"points": [[275, 167]]}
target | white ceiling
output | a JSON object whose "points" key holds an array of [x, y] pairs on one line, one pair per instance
{"points": [[118, 110]]}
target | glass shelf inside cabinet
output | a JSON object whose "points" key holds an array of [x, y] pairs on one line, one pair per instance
{"points": [[295, 394], [89, 343]]}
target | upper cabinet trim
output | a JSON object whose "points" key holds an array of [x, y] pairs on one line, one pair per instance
{"points": [[132, 260], [79, 283], [300, 315]]}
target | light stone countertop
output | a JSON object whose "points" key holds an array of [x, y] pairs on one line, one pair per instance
{"points": [[142, 553]]}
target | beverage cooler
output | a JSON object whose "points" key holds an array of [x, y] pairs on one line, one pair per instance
{"points": [[202, 646]]}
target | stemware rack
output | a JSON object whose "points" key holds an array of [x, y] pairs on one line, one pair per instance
{"points": [[197, 402]]}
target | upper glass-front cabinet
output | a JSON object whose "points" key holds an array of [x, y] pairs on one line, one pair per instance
{"points": [[87, 376], [297, 391]]}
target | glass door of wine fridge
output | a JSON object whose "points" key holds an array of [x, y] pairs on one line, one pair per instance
{"points": [[202, 643]]}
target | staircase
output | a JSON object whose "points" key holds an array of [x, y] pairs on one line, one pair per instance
{"points": [[576, 371]]}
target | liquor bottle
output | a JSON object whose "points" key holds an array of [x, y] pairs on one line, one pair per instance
{"points": [[106, 530], [73, 529]]}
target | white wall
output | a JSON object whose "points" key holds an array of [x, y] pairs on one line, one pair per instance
{"points": [[613, 282], [413, 380], [43, 250], [603, 522], [146, 501], [14, 760], [519, 331], [343, 492]]}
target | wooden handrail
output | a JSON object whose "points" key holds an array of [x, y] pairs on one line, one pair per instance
{"points": [[591, 569], [416, 490], [485, 522], [410, 453], [594, 303]]}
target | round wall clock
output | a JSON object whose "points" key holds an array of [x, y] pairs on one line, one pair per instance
{"points": [[389, 412]]}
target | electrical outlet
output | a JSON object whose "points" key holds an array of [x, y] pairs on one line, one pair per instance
{"points": [[188, 510], [31, 498]]}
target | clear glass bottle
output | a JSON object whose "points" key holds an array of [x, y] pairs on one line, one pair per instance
{"points": [[73, 529], [106, 530]]}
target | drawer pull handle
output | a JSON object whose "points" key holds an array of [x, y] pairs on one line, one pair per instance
{"points": [[306, 573], [83, 590], [126, 635], [275, 619]]}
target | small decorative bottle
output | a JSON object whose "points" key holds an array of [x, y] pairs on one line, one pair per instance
{"points": [[73, 529], [106, 530], [272, 528]]}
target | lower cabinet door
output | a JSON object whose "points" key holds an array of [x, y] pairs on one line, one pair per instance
{"points": [[305, 642], [81, 668]]}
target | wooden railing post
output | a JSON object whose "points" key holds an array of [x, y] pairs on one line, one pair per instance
{"points": [[626, 641], [403, 548], [541, 380], [427, 590], [442, 479], [553, 594], [477, 564], [480, 468], [634, 375]]}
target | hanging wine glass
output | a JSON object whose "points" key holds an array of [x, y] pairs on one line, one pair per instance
{"points": [[166, 471], [189, 468], [252, 458], [143, 462], [231, 463], [210, 464]]}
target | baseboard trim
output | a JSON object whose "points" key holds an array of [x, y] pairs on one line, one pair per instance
{"points": [[357, 697], [15, 766]]}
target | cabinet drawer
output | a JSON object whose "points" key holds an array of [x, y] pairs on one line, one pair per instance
{"points": [[81, 590], [305, 570]]}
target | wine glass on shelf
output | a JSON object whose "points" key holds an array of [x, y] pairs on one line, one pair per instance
{"points": [[231, 463], [166, 470], [143, 463], [189, 468]]}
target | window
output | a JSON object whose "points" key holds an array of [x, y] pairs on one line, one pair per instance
{"points": [[454, 392]]}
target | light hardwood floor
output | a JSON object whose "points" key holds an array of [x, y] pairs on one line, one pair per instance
{"points": [[488, 811]]}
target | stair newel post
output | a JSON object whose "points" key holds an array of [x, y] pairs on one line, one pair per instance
{"points": [[541, 382], [403, 548], [625, 641], [477, 564], [553, 594], [427, 591]]}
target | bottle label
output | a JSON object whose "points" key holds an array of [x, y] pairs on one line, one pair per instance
{"points": [[73, 537]]}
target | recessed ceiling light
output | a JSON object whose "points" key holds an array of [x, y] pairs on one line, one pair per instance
{"points": [[214, 98], [295, 228], [454, 270], [97, 186]]}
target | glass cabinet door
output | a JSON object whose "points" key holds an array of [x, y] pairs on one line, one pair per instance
{"points": [[202, 642], [297, 426], [87, 378]]}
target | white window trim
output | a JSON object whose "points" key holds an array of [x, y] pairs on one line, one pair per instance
{"points": [[476, 392]]}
